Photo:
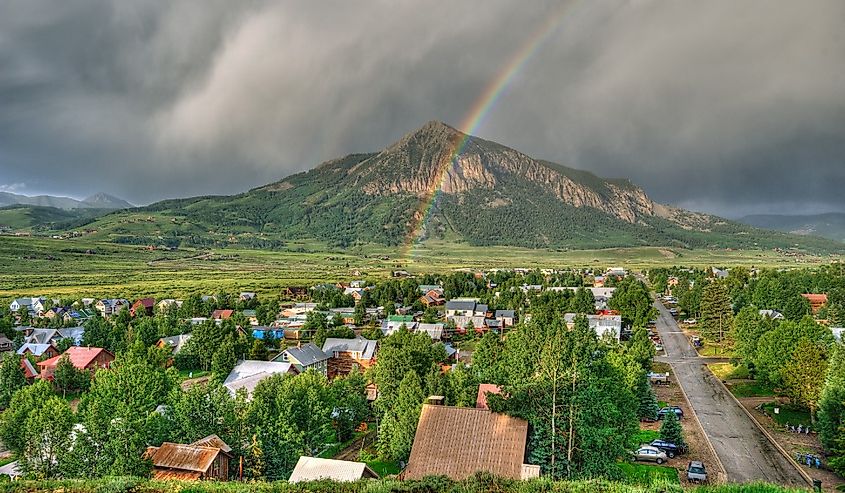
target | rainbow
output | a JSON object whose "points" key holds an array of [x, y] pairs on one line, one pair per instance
{"points": [[478, 113]]}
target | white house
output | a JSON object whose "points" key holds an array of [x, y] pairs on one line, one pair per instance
{"points": [[601, 324], [247, 374]]}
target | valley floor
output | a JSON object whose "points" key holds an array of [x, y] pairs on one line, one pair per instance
{"points": [[57, 267]]}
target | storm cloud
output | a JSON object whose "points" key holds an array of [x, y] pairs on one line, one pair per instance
{"points": [[727, 107]]}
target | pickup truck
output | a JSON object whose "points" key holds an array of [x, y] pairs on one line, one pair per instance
{"points": [[658, 378]]}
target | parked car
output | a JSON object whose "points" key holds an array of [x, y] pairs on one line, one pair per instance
{"points": [[648, 453], [673, 311], [690, 321], [658, 347], [658, 378], [666, 410], [696, 472], [670, 448]]}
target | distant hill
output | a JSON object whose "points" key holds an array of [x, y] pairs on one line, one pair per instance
{"points": [[96, 201], [417, 189], [36, 217], [830, 225]]}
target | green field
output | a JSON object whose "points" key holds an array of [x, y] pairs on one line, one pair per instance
{"points": [[645, 474], [71, 267]]}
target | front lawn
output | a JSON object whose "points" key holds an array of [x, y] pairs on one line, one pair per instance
{"points": [[189, 374], [383, 468], [750, 389], [714, 350], [728, 371], [788, 414], [646, 474], [644, 436]]}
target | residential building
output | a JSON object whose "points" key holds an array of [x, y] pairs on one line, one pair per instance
{"points": [[168, 304], [602, 324], [38, 350], [459, 442], [506, 317], [247, 296], [145, 304], [483, 390], [817, 301], [435, 331], [82, 358], [207, 458], [248, 373], [348, 355], [222, 314], [110, 307], [316, 468], [838, 333], [772, 314], [6, 344], [305, 357], [174, 344]]}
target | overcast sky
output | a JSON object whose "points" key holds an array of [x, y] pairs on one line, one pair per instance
{"points": [[723, 106]]}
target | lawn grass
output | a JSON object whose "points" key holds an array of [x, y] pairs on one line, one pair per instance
{"points": [[659, 367], [788, 414], [7, 460], [383, 468], [750, 389], [645, 474], [715, 350], [644, 436], [189, 374], [332, 450], [728, 371]]}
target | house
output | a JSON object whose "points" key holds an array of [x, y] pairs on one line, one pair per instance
{"points": [[617, 272], [602, 324], [174, 344], [305, 357], [348, 355], [461, 307], [598, 281], [246, 296], [531, 287], [27, 303], [315, 469], [772, 314], [435, 331], [82, 358], [388, 327], [266, 333], [296, 292], [816, 301], [111, 307], [719, 273], [6, 344], [483, 390], [145, 304], [79, 316], [251, 316], [53, 336], [247, 374], [222, 314], [56, 311], [168, 304], [355, 293], [38, 350], [29, 371], [458, 442], [207, 458], [506, 317], [463, 322]]}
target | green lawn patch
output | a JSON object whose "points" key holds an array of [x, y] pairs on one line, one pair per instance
{"points": [[728, 371], [662, 403], [383, 468], [790, 414], [659, 367], [644, 436], [189, 374], [750, 389], [645, 474], [7, 460], [714, 350], [335, 448]]}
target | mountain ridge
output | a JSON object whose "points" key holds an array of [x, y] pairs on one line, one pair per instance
{"points": [[437, 182], [829, 225], [100, 200]]}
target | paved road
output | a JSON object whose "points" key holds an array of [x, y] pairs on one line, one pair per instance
{"points": [[743, 449]]}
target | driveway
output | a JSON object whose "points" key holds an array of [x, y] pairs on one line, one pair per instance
{"points": [[743, 449]]}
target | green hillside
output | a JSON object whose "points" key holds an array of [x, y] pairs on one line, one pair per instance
{"points": [[830, 225], [34, 217], [489, 195]]}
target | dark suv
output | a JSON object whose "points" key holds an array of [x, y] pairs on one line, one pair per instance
{"points": [[666, 410], [670, 448]]}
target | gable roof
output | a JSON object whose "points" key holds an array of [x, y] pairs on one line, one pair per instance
{"points": [[460, 305], [248, 373], [483, 390], [366, 347], [28, 368], [504, 314], [222, 314], [213, 441], [315, 468], [458, 442], [34, 349], [182, 457], [307, 355], [175, 343], [80, 357], [42, 336]]}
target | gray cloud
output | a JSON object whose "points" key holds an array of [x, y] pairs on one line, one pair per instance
{"points": [[729, 107]]}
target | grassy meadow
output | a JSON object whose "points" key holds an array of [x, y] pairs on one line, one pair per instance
{"points": [[77, 266]]}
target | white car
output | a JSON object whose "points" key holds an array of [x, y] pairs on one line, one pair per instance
{"points": [[690, 321], [648, 453]]}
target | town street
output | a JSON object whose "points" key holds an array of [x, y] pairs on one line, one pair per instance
{"points": [[743, 449]]}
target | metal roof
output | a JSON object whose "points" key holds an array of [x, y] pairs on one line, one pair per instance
{"points": [[366, 347], [307, 355], [315, 468]]}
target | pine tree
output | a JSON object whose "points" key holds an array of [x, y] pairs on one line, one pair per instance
{"points": [[647, 400], [716, 313], [831, 413], [671, 431], [11, 378], [396, 434]]}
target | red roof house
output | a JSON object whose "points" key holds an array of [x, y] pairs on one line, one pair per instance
{"points": [[483, 390], [816, 301], [83, 358], [146, 304], [222, 314]]}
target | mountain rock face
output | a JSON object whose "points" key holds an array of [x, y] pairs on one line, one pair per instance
{"points": [[437, 182]]}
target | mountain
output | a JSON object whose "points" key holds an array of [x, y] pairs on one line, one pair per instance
{"points": [[19, 217], [97, 201], [830, 225], [105, 201], [420, 188]]}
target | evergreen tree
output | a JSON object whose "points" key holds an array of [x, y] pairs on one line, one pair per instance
{"points": [[804, 374], [224, 360], [716, 313], [671, 430], [488, 358], [583, 302], [647, 408], [641, 348], [258, 351], [831, 412], [11, 378]]}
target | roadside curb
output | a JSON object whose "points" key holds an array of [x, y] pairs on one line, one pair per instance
{"points": [[723, 474], [763, 429]]}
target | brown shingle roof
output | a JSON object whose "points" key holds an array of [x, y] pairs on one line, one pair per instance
{"points": [[458, 442]]}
